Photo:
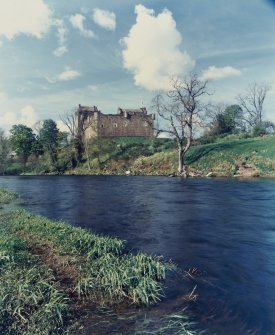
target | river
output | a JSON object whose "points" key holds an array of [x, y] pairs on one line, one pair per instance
{"points": [[221, 231]]}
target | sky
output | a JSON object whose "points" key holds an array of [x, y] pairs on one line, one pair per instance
{"points": [[56, 54]]}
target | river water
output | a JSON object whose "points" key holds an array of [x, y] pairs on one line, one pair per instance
{"points": [[220, 231]]}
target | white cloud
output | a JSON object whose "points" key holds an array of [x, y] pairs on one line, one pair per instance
{"points": [[60, 51], [93, 88], [26, 116], [77, 22], [61, 126], [68, 74], [152, 49], [31, 17], [214, 72], [104, 19], [61, 37]]}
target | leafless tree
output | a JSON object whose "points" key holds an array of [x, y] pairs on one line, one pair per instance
{"points": [[252, 102], [77, 129], [181, 109]]}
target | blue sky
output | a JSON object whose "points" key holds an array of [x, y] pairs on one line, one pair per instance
{"points": [[57, 54]]}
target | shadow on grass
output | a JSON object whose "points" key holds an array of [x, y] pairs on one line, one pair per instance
{"points": [[198, 152]]}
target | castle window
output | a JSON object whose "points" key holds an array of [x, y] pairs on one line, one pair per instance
{"points": [[115, 125], [102, 126], [145, 124], [125, 124]]}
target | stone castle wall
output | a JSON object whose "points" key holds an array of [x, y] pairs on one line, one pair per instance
{"points": [[126, 123]]}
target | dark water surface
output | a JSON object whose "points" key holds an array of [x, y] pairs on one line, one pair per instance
{"points": [[225, 229]]}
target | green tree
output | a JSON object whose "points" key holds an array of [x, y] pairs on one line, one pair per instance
{"points": [[233, 117], [22, 141], [49, 138], [225, 120], [101, 149]]}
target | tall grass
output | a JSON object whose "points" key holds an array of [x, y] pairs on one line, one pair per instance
{"points": [[33, 299], [6, 196], [30, 302], [174, 324]]}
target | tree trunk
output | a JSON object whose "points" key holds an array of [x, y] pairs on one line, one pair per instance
{"points": [[181, 167], [87, 154]]}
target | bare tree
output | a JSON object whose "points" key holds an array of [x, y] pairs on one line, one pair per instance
{"points": [[181, 109], [77, 128], [69, 119], [252, 102]]}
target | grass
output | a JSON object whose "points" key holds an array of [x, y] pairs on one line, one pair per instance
{"points": [[178, 324], [105, 268], [48, 268], [6, 196], [30, 302], [227, 157]]}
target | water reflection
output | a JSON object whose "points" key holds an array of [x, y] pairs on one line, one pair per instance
{"points": [[224, 228]]}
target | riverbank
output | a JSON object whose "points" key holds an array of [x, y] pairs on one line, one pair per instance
{"points": [[228, 157], [51, 271]]}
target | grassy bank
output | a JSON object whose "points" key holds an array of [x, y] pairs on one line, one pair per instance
{"points": [[227, 157], [49, 269], [7, 197]]}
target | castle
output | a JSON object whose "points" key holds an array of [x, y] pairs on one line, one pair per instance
{"points": [[127, 122]]}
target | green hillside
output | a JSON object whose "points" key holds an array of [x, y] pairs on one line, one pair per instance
{"points": [[229, 156]]}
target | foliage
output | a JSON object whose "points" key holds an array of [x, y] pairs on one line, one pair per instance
{"points": [[48, 136], [224, 119], [22, 141]]}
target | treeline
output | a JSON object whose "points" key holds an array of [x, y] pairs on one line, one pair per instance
{"points": [[47, 150]]}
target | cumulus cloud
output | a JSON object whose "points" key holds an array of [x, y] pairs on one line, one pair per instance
{"points": [[104, 19], [61, 37], [26, 116], [67, 74], [213, 72], [152, 49], [61, 126], [31, 17], [77, 22]]}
